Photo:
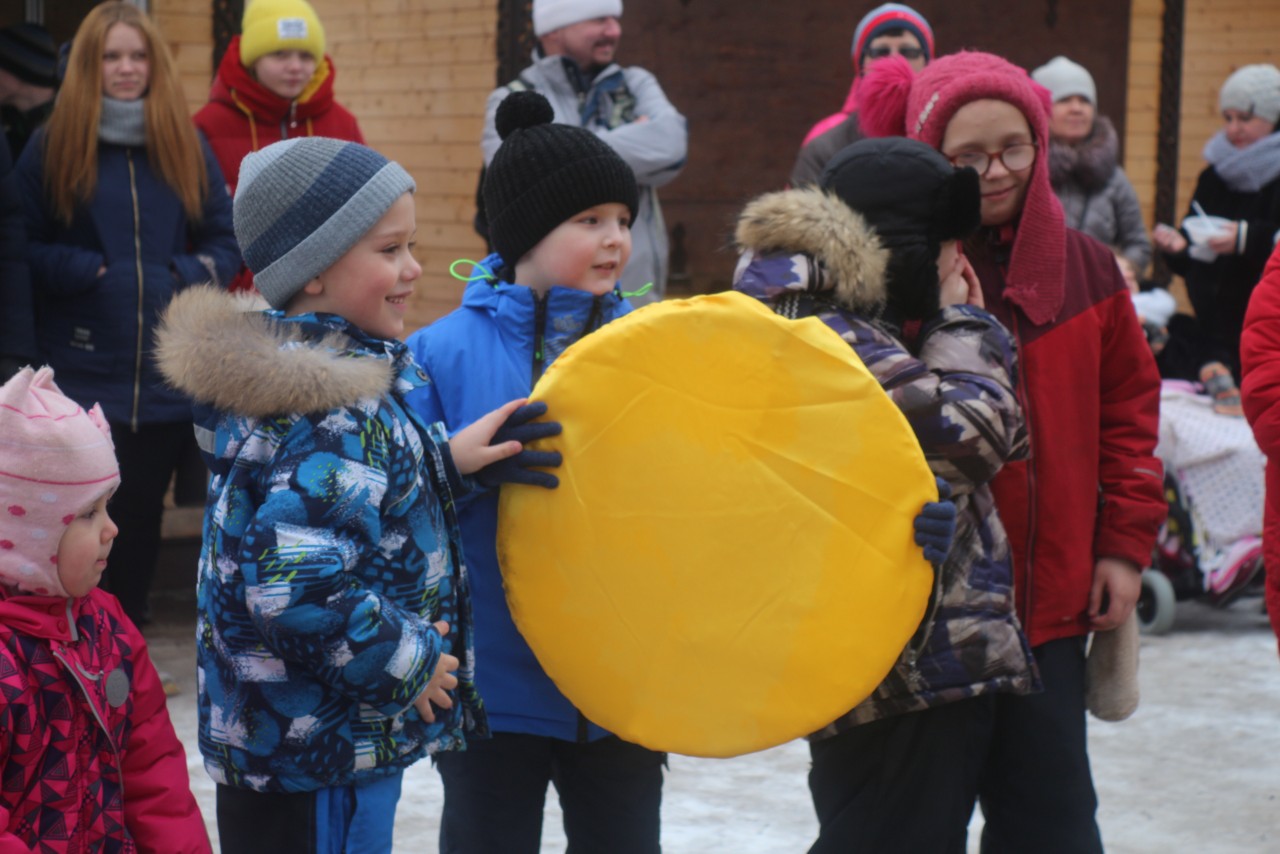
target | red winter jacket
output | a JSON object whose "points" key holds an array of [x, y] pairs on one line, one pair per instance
{"points": [[1260, 391], [243, 116], [1092, 487], [88, 756]]}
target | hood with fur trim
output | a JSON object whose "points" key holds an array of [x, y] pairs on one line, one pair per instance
{"points": [[1090, 162], [221, 351], [848, 260]]}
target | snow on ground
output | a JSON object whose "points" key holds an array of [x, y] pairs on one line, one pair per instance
{"points": [[1197, 768]]}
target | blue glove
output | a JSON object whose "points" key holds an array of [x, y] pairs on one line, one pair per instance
{"points": [[521, 467], [936, 525]]}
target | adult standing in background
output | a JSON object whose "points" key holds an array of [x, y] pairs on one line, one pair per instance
{"points": [[1084, 165], [274, 82], [17, 321], [573, 68], [28, 82], [124, 206], [884, 31]]}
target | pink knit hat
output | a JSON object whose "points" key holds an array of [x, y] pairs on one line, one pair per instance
{"points": [[896, 101], [55, 460]]}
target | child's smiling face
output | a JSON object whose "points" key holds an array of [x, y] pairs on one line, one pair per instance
{"points": [[586, 252], [85, 544], [370, 285]]}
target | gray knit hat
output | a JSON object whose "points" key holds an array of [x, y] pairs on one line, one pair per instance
{"points": [[302, 203], [1253, 89], [1064, 78]]}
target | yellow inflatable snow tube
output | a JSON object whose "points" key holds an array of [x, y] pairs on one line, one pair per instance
{"points": [[729, 561]]}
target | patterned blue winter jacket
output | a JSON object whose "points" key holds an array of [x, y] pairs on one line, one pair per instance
{"points": [[330, 548], [807, 254], [489, 351]]}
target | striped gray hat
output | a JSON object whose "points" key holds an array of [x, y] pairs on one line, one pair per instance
{"points": [[302, 203]]}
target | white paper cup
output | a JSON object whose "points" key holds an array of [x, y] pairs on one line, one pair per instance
{"points": [[1202, 229]]}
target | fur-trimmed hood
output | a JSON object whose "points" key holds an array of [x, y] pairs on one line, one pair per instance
{"points": [[848, 260], [1090, 162], [220, 351]]}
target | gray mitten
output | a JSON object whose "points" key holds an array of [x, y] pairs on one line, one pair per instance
{"points": [[1111, 672]]}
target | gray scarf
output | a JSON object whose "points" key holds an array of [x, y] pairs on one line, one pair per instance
{"points": [[123, 122], [1245, 170]]}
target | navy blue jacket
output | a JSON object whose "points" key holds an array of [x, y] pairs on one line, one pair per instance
{"points": [[479, 357], [97, 331]]}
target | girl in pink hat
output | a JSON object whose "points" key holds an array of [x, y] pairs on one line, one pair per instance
{"points": [[87, 752], [1082, 512]]}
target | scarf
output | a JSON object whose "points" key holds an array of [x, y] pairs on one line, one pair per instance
{"points": [[1245, 170], [1089, 163], [123, 122]]}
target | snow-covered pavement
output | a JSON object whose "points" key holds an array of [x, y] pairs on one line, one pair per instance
{"points": [[1197, 768]]}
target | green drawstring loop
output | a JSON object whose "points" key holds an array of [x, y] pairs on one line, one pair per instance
{"points": [[453, 271], [636, 293]]}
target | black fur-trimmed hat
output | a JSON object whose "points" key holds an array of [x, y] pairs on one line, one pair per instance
{"points": [[545, 173], [915, 200]]}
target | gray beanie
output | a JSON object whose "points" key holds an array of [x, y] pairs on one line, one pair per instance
{"points": [[1064, 78], [1253, 89], [302, 203]]}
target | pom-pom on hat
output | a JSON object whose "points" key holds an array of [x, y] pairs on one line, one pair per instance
{"points": [[544, 173], [302, 203], [56, 459], [549, 15], [28, 52], [1064, 78], [914, 199], [1253, 89], [900, 102], [272, 25], [890, 16]]}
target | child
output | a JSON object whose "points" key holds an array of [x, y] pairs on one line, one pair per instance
{"points": [[90, 760], [274, 82], [333, 603], [871, 253], [560, 203], [1083, 509]]}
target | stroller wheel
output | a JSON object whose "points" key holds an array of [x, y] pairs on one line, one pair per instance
{"points": [[1157, 604]]}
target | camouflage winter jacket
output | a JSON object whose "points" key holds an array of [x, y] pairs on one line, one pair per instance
{"points": [[330, 548], [806, 253]]}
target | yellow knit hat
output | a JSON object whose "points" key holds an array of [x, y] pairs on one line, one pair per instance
{"points": [[272, 25]]}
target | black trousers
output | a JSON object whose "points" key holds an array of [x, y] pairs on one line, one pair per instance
{"points": [[494, 793], [148, 459], [908, 783]]}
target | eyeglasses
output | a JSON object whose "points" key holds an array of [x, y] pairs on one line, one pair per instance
{"points": [[906, 52], [1015, 158]]}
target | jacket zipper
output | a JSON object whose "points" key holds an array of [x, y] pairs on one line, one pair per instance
{"points": [[290, 122], [539, 336], [76, 674], [137, 256], [1031, 478]]}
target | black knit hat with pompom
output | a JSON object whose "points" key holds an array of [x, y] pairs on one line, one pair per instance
{"points": [[545, 173]]}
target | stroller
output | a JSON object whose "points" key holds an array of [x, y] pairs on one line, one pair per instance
{"points": [[1210, 547]]}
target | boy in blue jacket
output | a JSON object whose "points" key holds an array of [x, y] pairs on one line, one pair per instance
{"points": [[560, 203], [334, 630]]}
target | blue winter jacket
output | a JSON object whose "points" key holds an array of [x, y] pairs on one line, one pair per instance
{"points": [[98, 331], [330, 547], [489, 351]]}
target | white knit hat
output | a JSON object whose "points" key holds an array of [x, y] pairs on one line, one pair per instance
{"points": [[551, 15], [1064, 78], [1253, 89]]}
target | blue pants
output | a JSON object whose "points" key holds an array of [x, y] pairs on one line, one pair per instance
{"points": [[494, 793], [337, 820], [907, 783]]}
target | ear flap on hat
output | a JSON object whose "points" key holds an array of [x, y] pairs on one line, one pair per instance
{"points": [[959, 212], [911, 279]]}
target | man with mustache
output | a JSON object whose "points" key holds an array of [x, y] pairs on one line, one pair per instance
{"points": [[574, 68]]}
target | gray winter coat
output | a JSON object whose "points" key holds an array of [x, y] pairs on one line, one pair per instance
{"points": [[1096, 195], [655, 148]]}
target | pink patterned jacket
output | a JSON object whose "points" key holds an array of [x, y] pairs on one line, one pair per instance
{"points": [[88, 756]]}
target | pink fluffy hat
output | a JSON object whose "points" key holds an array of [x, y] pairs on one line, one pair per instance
{"points": [[56, 459]]}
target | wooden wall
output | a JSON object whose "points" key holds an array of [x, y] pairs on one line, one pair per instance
{"points": [[416, 74]]}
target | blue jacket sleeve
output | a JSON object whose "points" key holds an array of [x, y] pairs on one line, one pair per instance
{"points": [[17, 318], [307, 555], [214, 255], [56, 268]]}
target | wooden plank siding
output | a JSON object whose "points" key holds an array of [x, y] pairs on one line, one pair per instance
{"points": [[416, 74]]}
